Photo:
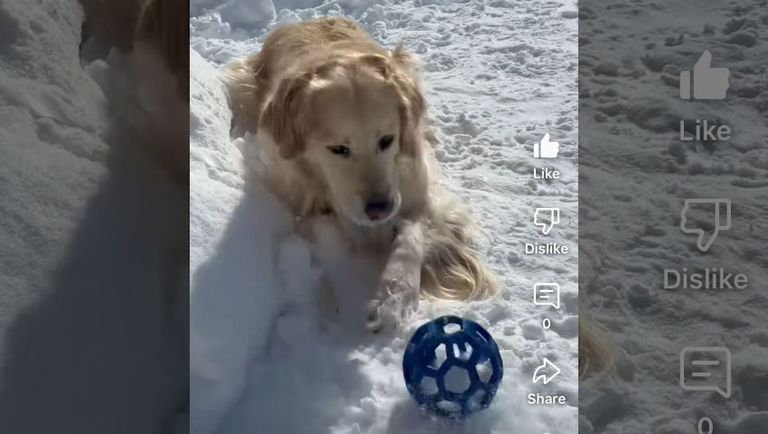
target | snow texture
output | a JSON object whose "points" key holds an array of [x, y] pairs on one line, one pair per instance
{"points": [[264, 356], [91, 249], [635, 174]]}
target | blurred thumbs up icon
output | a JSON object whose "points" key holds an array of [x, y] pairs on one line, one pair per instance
{"points": [[707, 82]]}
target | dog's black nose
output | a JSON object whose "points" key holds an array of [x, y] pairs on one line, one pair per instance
{"points": [[378, 207]]}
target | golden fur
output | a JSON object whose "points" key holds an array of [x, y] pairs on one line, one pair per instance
{"points": [[154, 34], [164, 28], [112, 21], [596, 355], [161, 61], [326, 101]]}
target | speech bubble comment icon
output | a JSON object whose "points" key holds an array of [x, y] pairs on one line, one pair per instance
{"points": [[705, 218], [546, 294], [546, 218], [706, 369]]}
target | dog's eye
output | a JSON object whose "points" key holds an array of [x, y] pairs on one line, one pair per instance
{"points": [[385, 142], [340, 150]]}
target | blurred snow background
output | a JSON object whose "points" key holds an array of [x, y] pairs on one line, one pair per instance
{"points": [[498, 75], [92, 256], [635, 173]]}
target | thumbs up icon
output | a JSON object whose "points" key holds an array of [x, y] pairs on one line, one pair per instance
{"points": [[545, 148], [708, 82]]}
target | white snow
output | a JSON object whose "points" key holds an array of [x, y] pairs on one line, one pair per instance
{"points": [[266, 356]]}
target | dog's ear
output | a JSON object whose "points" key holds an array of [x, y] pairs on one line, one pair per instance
{"points": [[379, 63], [412, 102], [284, 117]]}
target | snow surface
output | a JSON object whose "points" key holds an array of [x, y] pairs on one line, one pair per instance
{"points": [[635, 173], [263, 357], [91, 337]]}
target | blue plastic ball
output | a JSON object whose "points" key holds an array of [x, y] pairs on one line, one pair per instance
{"points": [[452, 367]]}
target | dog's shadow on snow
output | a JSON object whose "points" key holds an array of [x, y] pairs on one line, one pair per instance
{"points": [[103, 350], [264, 353]]}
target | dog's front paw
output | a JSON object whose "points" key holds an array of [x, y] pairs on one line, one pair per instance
{"points": [[395, 300]]}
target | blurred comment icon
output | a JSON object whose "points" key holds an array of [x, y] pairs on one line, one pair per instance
{"points": [[546, 149], [706, 369], [704, 82], [546, 218], [546, 294], [705, 218]]}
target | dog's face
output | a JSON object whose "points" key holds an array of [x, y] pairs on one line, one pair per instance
{"points": [[350, 121], [354, 145]]}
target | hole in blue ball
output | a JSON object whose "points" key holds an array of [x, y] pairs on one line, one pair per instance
{"points": [[484, 370], [457, 380], [441, 355], [452, 328], [449, 406], [428, 386], [475, 401], [462, 354]]}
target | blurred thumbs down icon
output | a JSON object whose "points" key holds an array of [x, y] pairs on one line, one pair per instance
{"points": [[706, 369], [705, 218]]}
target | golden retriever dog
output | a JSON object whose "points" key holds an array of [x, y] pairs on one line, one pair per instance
{"points": [[340, 123], [161, 59], [155, 36], [111, 22]]}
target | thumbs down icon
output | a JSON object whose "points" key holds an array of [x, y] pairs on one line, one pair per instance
{"points": [[705, 218], [546, 218], [706, 82]]}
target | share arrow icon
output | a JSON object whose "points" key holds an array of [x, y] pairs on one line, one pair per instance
{"points": [[546, 372]]}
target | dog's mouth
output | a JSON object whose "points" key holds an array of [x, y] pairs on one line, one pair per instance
{"points": [[376, 211]]}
